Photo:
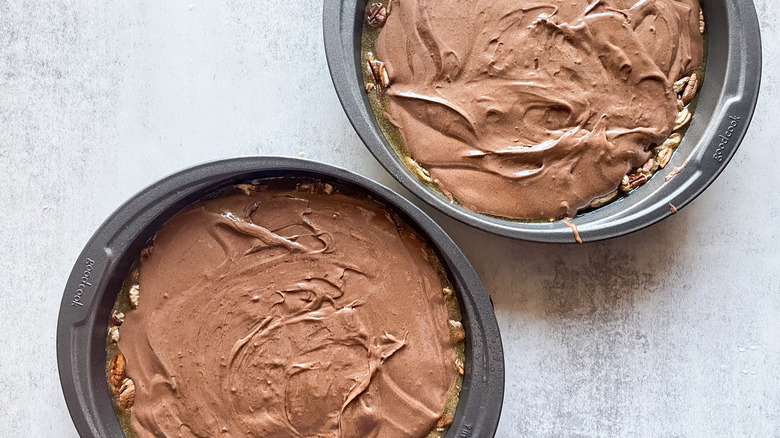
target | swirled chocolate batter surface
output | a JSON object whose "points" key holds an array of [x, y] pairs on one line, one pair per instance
{"points": [[288, 312], [530, 109]]}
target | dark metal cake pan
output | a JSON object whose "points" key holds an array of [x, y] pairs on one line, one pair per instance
{"points": [[105, 261], [725, 107]]}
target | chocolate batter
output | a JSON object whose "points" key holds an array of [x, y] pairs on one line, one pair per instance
{"points": [[530, 109], [284, 312]]}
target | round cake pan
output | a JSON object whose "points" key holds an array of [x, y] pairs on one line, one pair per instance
{"points": [[726, 103], [105, 261]]}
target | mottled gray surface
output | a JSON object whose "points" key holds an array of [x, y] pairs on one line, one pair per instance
{"points": [[673, 331]]}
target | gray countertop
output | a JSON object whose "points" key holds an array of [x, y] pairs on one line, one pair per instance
{"points": [[672, 331]]}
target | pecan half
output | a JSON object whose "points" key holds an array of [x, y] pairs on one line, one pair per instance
{"points": [[305, 187], [649, 166], [117, 318], [691, 88], [679, 86], [113, 334], [672, 142], [127, 394], [116, 370], [134, 296], [663, 156], [376, 15], [378, 72], [632, 181], [682, 119], [457, 332], [419, 171], [603, 200], [702, 26], [248, 189], [444, 421]]}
